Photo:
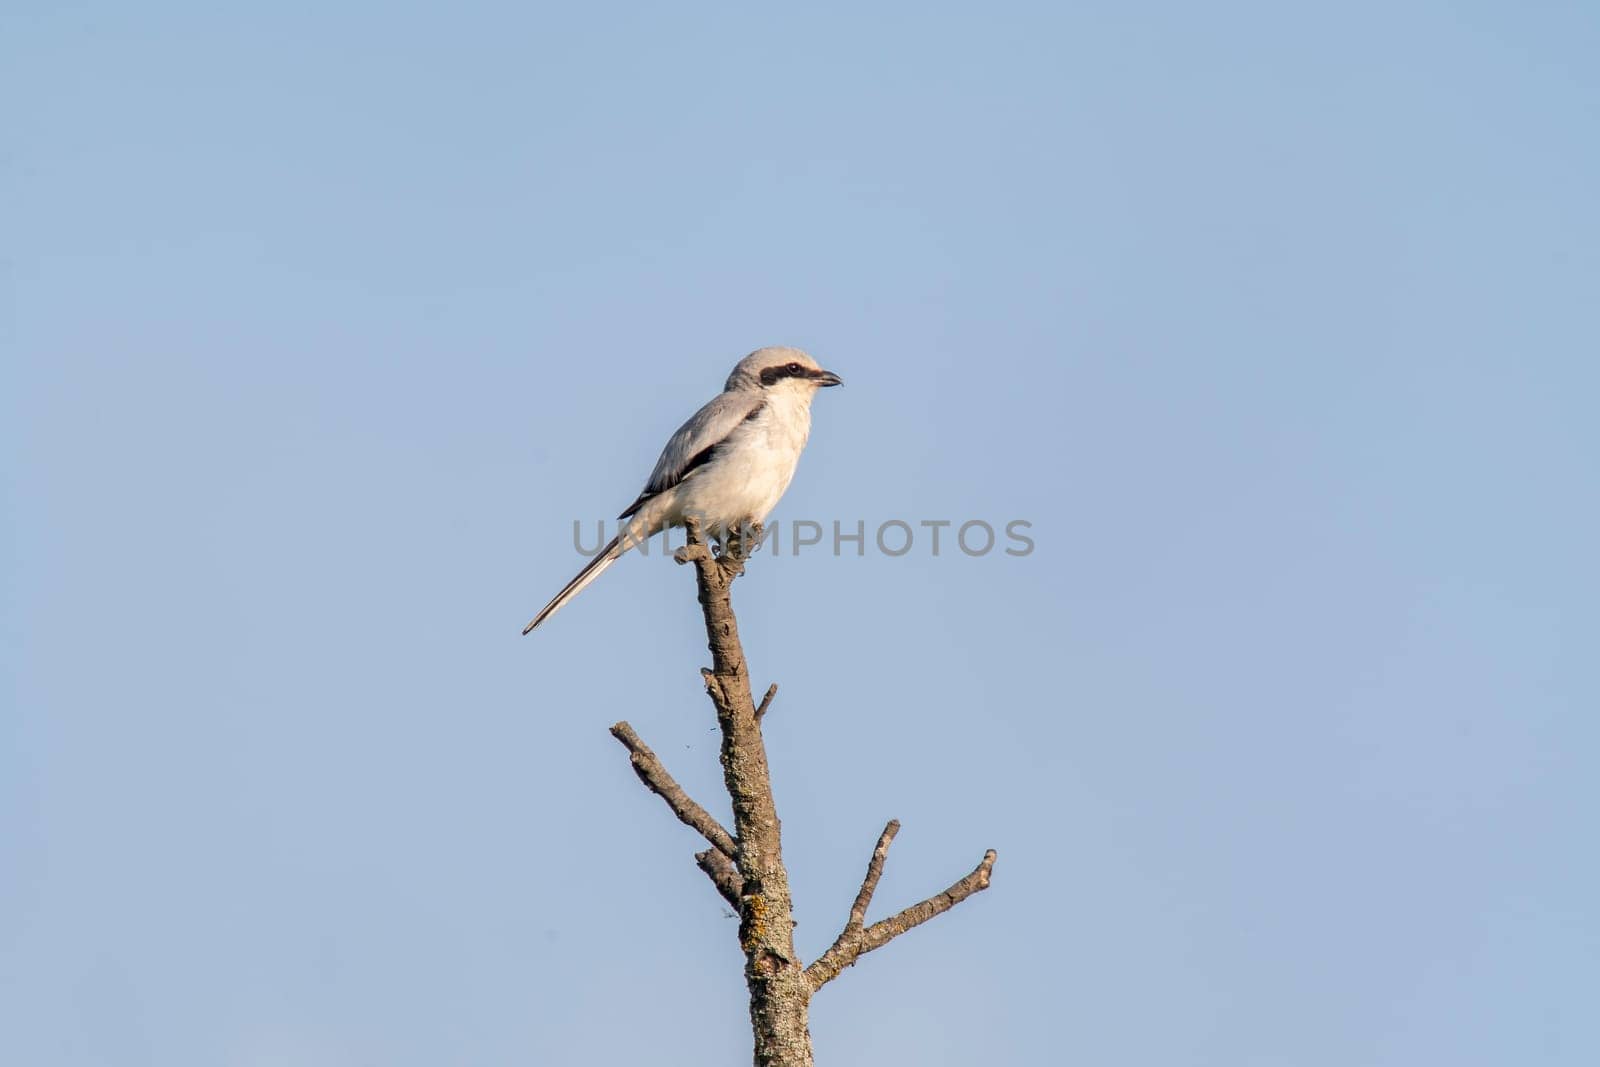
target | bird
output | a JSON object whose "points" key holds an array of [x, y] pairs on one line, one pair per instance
{"points": [[727, 466]]}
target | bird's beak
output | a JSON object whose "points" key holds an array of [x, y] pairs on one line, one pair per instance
{"points": [[826, 378]]}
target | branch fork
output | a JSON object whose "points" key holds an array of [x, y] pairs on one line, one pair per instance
{"points": [[857, 938]]}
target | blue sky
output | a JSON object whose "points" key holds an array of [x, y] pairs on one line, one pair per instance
{"points": [[1278, 324]]}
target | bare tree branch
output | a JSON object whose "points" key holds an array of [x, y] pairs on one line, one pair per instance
{"points": [[747, 866], [656, 779], [723, 874], [855, 941], [766, 701], [779, 995], [869, 884]]}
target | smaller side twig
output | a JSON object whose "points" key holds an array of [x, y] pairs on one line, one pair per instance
{"points": [[722, 873], [857, 939], [693, 552], [852, 931], [869, 884], [766, 701], [656, 779]]}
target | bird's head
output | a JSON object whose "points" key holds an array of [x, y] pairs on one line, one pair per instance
{"points": [[780, 368]]}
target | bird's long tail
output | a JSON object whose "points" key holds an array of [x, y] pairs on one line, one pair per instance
{"points": [[591, 570]]}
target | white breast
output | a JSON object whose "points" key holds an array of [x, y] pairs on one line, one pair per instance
{"points": [[751, 471]]}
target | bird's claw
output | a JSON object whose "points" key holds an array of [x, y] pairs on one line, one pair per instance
{"points": [[743, 540]]}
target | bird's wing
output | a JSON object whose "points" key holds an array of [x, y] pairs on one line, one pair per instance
{"points": [[695, 440]]}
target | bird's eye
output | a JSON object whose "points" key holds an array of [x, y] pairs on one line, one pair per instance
{"points": [[793, 368]]}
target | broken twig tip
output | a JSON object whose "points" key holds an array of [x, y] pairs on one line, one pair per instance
{"points": [[766, 701]]}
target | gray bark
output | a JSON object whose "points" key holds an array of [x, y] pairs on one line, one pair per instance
{"points": [[746, 867]]}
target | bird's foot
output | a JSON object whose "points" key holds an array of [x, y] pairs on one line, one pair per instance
{"points": [[741, 542]]}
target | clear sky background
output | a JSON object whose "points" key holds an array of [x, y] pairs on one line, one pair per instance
{"points": [[321, 325]]}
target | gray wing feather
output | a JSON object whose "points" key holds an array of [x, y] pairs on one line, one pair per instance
{"points": [[692, 444]]}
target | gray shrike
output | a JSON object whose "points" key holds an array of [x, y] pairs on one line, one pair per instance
{"points": [[728, 465]]}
